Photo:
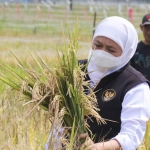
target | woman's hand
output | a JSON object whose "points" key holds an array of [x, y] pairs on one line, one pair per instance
{"points": [[96, 146], [87, 142], [109, 145], [90, 145]]}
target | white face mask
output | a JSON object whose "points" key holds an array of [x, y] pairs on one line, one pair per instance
{"points": [[104, 61]]}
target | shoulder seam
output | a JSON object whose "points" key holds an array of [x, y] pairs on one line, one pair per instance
{"points": [[134, 73]]}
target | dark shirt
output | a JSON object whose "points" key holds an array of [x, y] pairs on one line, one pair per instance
{"points": [[141, 59]]}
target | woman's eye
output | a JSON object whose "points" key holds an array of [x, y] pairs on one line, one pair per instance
{"points": [[97, 46], [110, 50]]}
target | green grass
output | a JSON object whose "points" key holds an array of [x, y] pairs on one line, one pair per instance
{"points": [[42, 34]]}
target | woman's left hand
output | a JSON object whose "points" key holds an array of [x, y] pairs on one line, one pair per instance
{"points": [[112, 144], [87, 142], [96, 146]]}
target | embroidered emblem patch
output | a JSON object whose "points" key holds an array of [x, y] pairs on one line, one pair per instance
{"points": [[108, 95]]}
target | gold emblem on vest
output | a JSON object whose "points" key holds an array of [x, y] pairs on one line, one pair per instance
{"points": [[108, 95]]}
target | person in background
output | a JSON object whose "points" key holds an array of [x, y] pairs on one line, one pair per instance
{"points": [[123, 93], [141, 59]]}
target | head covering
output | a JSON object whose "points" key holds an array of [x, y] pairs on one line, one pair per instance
{"points": [[146, 20], [123, 33]]}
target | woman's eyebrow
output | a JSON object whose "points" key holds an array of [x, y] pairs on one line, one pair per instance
{"points": [[111, 46], [97, 41]]}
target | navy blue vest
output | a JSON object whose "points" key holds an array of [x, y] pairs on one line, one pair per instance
{"points": [[110, 94]]}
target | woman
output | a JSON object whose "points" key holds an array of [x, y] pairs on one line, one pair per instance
{"points": [[123, 93]]}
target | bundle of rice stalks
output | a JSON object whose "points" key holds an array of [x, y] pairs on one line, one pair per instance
{"points": [[59, 90], [37, 86]]}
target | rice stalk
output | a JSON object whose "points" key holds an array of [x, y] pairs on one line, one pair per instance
{"points": [[71, 82], [147, 136], [61, 91]]}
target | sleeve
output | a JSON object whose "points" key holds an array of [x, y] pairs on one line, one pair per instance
{"points": [[135, 113]]}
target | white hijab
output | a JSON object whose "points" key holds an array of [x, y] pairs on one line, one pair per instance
{"points": [[124, 34]]}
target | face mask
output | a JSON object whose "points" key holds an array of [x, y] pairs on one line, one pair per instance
{"points": [[104, 61]]}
